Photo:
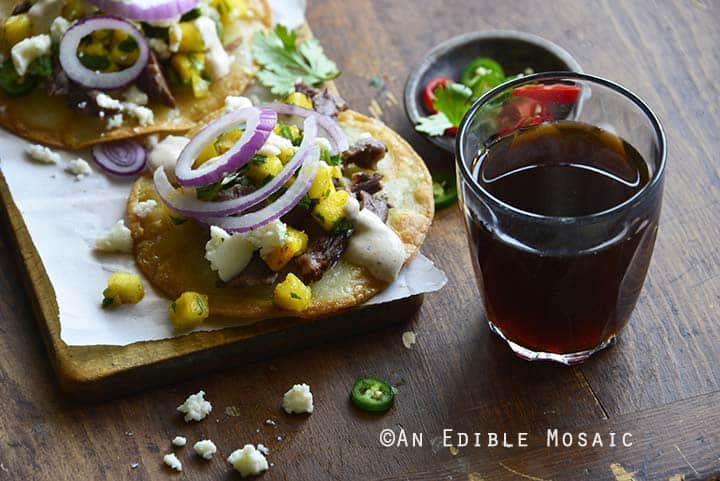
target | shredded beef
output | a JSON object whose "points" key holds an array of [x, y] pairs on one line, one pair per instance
{"points": [[362, 181], [58, 83], [257, 273], [365, 153], [153, 83], [323, 101], [322, 253], [234, 192], [21, 7], [85, 100], [375, 204]]}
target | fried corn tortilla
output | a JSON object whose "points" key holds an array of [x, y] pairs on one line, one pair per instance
{"points": [[47, 119], [172, 256]]}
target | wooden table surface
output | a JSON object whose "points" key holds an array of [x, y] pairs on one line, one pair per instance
{"points": [[661, 383]]}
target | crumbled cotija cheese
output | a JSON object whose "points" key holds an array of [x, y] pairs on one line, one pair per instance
{"points": [[195, 407], [79, 168], [114, 122], [143, 208], [205, 448], [408, 339], [298, 400], [135, 95], [248, 461], [172, 461], [42, 154], [263, 449], [25, 51], [179, 441], [233, 102], [106, 102], [116, 239]]}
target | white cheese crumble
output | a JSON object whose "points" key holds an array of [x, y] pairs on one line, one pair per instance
{"points": [[298, 400], [248, 461], [263, 449], [270, 422], [135, 95], [205, 448], [143, 208], [160, 47], [143, 115], [114, 122], [116, 239], [179, 441], [172, 461], [217, 61], [166, 152], [268, 237], [106, 102], [42, 154], [25, 51], [79, 168], [234, 102], [58, 28], [408, 339], [195, 407], [274, 145], [228, 254]]}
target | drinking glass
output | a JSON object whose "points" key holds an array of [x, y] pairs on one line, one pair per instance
{"points": [[555, 287]]}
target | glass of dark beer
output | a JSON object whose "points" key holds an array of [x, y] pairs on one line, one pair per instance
{"points": [[560, 178]]}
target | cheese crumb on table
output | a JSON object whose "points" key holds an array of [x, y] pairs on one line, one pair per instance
{"points": [[179, 441], [205, 448], [116, 239], [298, 400], [248, 461], [195, 407], [270, 422], [263, 449], [408, 339], [172, 461], [79, 168], [42, 154], [143, 208]]}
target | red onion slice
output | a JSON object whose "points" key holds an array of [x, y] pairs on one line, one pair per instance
{"points": [[124, 157], [337, 136], [277, 209], [99, 80], [259, 123], [187, 204], [146, 10]]}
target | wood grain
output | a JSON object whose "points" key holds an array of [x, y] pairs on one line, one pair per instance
{"points": [[661, 382]]}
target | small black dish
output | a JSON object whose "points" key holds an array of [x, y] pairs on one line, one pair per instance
{"points": [[514, 51]]}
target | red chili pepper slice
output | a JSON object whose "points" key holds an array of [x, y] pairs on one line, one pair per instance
{"points": [[429, 92], [521, 112], [558, 93]]}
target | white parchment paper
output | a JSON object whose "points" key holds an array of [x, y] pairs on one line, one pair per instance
{"points": [[64, 216]]}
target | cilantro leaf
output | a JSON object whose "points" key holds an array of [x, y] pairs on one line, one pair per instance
{"points": [[435, 124], [453, 100], [285, 63]]}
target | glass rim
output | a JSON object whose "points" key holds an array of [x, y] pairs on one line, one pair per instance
{"points": [[560, 75]]}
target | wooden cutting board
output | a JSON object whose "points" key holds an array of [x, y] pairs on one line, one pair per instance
{"points": [[101, 372]]}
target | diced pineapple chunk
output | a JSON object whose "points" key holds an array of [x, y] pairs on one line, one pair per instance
{"points": [[329, 211], [294, 246], [123, 288], [289, 131], [299, 99], [15, 29], [207, 153], [190, 38], [74, 9], [262, 168], [200, 86], [188, 311], [94, 48], [184, 67], [225, 141], [124, 49], [322, 186], [230, 9], [292, 294], [336, 172], [287, 154]]}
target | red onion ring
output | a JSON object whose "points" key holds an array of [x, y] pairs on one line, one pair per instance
{"points": [[259, 124], [187, 204], [337, 136], [281, 206], [146, 10], [88, 78], [124, 157]]}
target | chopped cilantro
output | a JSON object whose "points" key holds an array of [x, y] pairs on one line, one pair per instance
{"points": [[435, 124], [330, 159], [211, 191], [151, 31], [258, 159], [95, 62], [107, 302], [376, 82], [41, 66], [308, 203], [128, 45], [343, 225], [284, 62], [191, 15], [294, 296], [453, 100]]}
